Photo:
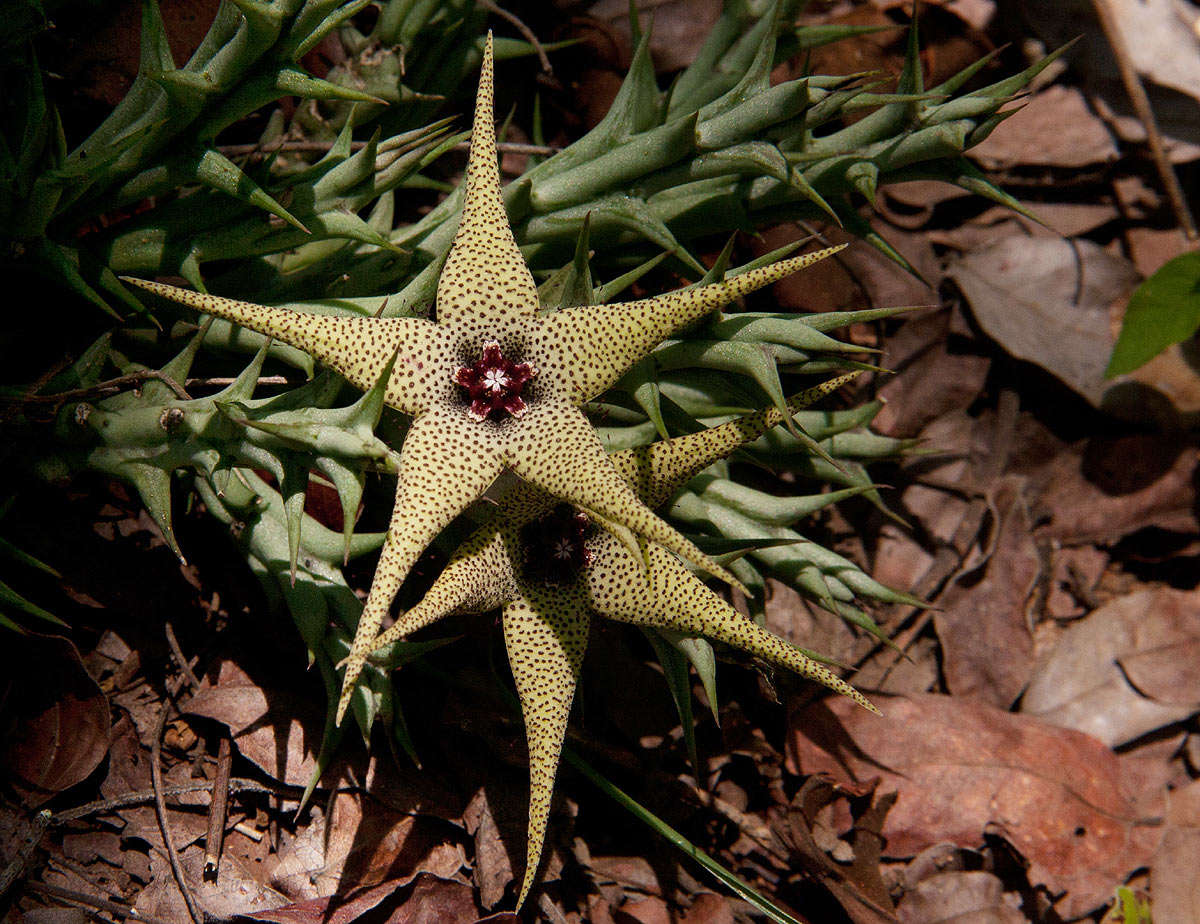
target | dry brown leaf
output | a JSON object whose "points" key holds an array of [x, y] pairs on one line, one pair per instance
{"points": [[429, 899], [1104, 488], [960, 898], [1054, 128], [273, 729], [982, 624], [932, 380], [1174, 883], [365, 844], [60, 727], [493, 869], [708, 908], [1047, 301], [1163, 46], [1083, 682], [236, 891], [645, 911], [963, 769], [680, 27]]}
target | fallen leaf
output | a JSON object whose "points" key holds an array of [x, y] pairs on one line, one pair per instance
{"points": [[960, 898], [1173, 880], [60, 727], [1083, 682], [91, 846], [708, 908], [933, 378], [1104, 488], [428, 900], [236, 891], [963, 769], [493, 869], [646, 911], [270, 728], [1053, 128], [680, 27], [1047, 301], [435, 900], [362, 845], [631, 872], [987, 648], [1162, 47], [1076, 572]]}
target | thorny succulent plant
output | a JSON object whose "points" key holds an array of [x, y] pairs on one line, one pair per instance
{"points": [[722, 149], [487, 305]]}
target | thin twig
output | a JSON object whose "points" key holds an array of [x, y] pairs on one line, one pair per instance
{"points": [[184, 667], [90, 901], [321, 147], [16, 867], [218, 810], [121, 381], [144, 796], [523, 29], [1141, 105], [160, 809], [219, 381]]}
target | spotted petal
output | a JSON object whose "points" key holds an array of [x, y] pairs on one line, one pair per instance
{"points": [[442, 470], [546, 636], [571, 464], [358, 348], [479, 577], [614, 337], [657, 471], [681, 602], [485, 281]]}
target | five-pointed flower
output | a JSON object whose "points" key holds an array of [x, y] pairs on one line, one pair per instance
{"points": [[539, 562], [492, 384]]}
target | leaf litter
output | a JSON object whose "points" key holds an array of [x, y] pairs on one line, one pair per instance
{"points": [[1038, 748]]}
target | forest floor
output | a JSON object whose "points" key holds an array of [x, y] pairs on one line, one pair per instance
{"points": [[1038, 747]]}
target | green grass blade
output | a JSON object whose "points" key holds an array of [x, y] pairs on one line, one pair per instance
{"points": [[677, 840]]}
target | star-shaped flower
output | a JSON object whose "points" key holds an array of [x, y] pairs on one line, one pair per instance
{"points": [[549, 571], [491, 384]]}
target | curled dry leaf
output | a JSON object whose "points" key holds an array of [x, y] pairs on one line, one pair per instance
{"points": [[987, 647], [362, 845], [60, 717], [963, 769], [428, 898], [1123, 671]]}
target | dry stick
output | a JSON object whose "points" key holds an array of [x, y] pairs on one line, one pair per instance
{"points": [[16, 867], [218, 810], [523, 29], [1141, 105], [219, 381], [89, 901], [160, 804], [142, 796], [133, 378], [184, 667]]}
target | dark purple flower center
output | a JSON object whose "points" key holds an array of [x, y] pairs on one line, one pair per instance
{"points": [[494, 384], [555, 545]]}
